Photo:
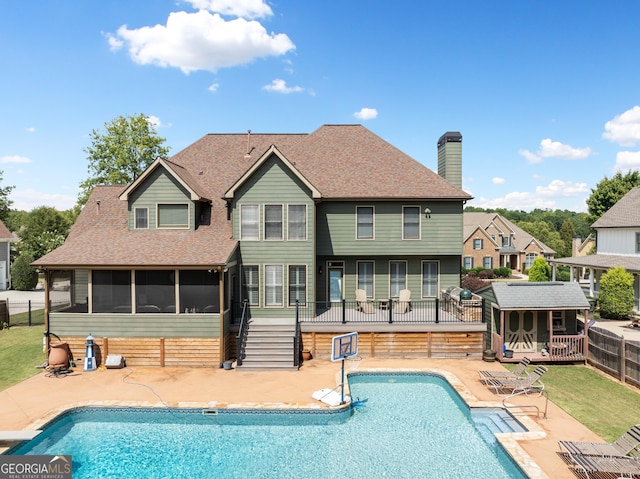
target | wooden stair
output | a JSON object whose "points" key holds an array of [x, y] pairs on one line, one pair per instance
{"points": [[269, 345]]}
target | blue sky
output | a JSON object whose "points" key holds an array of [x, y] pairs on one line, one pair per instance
{"points": [[545, 94]]}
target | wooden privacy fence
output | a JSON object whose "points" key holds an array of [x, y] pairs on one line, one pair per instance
{"points": [[615, 355]]}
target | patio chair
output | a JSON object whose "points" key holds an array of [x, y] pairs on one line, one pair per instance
{"points": [[403, 304], [519, 372], [606, 465], [526, 385], [626, 444], [363, 304]]}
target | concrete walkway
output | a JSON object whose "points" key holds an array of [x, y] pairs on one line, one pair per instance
{"points": [[28, 404]]}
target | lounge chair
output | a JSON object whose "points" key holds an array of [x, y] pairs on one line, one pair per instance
{"points": [[623, 446], [403, 304], [606, 465], [529, 384], [519, 372], [363, 304]]}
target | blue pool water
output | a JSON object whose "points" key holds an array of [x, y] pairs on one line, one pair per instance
{"points": [[412, 426]]}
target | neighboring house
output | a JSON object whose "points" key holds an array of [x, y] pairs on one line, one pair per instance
{"points": [[617, 244], [5, 256], [266, 229], [492, 241], [537, 320]]}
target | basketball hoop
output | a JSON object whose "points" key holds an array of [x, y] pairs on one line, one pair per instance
{"points": [[354, 362]]}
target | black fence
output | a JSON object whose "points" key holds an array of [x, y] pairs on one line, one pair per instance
{"points": [[25, 313], [615, 355]]}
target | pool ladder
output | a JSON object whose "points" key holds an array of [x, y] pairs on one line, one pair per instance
{"points": [[528, 406]]}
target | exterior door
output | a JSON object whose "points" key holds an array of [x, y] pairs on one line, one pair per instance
{"points": [[336, 283], [521, 332]]}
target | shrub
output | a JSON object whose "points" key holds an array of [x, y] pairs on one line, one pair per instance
{"points": [[616, 294], [502, 272], [23, 276], [473, 283], [486, 274], [539, 271]]}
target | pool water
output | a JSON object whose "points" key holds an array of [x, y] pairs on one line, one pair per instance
{"points": [[412, 425]]}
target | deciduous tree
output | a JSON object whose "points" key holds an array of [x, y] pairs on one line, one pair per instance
{"points": [[118, 155], [540, 271], [608, 191]]}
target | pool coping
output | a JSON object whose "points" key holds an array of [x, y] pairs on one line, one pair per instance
{"points": [[509, 441]]}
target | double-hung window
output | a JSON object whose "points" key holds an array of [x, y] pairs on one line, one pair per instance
{"points": [[467, 262], [487, 262], [365, 277], [506, 241], [141, 216], [251, 284], [429, 279], [273, 285], [397, 277], [637, 242], [297, 222], [477, 243], [297, 284], [273, 222], [530, 258], [249, 222], [410, 222], [364, 222]]}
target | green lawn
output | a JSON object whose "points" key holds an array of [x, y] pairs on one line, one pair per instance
{"points": [[20, 352], [602, 404]]}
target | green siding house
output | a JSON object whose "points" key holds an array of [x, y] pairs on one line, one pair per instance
{"points": [[251, 247]]}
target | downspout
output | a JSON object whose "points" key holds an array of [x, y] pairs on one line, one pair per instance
{"points": [[222, 308]]}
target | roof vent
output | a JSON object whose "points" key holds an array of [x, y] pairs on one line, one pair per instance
{"points": [[248, 153]]}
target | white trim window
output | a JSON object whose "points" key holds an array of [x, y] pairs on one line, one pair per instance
{"points": [[251, 284], [530, 258], [467, 262], [397, 277], [297, 284], [173, 215], [637, 242], [429, 279], [141, 218], [365, 277], [297, 222], [410, 222], [487, 262], [506, 241], [249, 222], [273, 285], [273, 222], [477, 243], [364, 222]]}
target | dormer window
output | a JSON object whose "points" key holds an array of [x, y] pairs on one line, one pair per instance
{"points": [[173, 216], [141, 218]]}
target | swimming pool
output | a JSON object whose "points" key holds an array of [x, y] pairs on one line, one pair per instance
{"points": [[412, 425]]}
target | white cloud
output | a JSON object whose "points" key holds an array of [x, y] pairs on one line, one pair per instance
{"points": [[29, 199], [31, 129], [14, 159], [236, 8], [530, 157], [544, 197], [497, 180], [200, 41], [366, 114], [624, 129], [280, 86], [155, 122], [627, 160], [214, 87], [555, 149]]}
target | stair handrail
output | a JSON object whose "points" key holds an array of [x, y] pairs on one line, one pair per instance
{"points": [[242, 331], [296, 338]]}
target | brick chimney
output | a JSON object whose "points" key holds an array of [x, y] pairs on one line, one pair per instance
{"points": [[450, 157]]}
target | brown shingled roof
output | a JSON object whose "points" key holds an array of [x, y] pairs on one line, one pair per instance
{"points": [[5, 234], [340, 161]]}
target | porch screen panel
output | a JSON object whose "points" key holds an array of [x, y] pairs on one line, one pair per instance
{"points": [[273, 285], [155, 291], [397, 277], [365, 277], [111, 291], [297, 284], [199, 291], [429, 279], [250, 285]]}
